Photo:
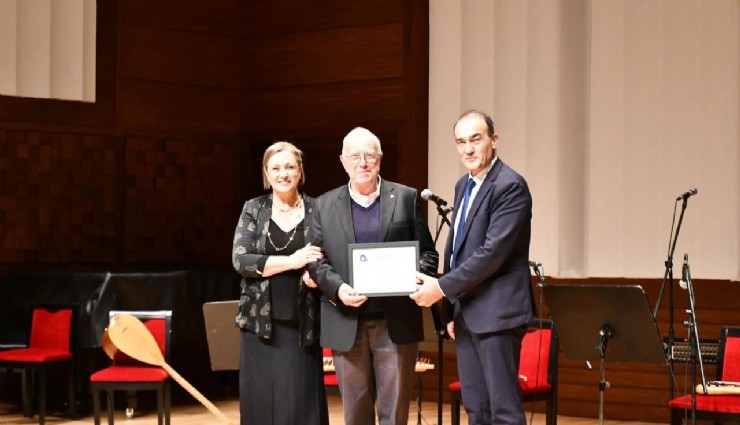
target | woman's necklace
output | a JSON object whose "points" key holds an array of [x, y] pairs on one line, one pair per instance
{"points": [[297, 204], [290, 239]]}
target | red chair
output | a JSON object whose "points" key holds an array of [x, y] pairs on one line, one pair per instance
{"points": [[330, 376], [51, 344], [715, 407], [127, 374], [538, 371]]}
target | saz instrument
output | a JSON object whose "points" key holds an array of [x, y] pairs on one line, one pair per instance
{"points": [[719, 387], [128, 334]]}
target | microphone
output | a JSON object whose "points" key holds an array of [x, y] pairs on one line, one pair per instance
{"points": [[535, 265], [427, 195], [684, 282], [688, 193]]}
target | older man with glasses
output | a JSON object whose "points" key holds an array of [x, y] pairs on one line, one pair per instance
{"points": [[374, 341]]}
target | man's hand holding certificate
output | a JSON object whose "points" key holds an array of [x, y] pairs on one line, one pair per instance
{"points": [[349, 296], [428, 292]]}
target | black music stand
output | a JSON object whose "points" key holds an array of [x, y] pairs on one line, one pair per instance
{"points": [[222, 334], [596, 321]]}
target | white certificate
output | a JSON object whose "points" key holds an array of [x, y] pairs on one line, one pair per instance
{"points": [[384, 269]]}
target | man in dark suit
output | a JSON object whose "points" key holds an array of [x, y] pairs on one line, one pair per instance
{"points": [[486, 284], [374, 340]]}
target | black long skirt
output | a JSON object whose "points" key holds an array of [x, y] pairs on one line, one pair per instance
{"points": [[280, 382]]}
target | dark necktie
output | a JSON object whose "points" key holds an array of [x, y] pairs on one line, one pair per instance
{"points": [[461, 224]]}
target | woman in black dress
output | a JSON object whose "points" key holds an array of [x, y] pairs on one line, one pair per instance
{"points": [[281, 376]]}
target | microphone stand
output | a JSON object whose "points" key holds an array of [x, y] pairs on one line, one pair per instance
{"points": [[541, 280], [440, 327], [691, 325], [668, 277], [605, 332], [442, 211]]}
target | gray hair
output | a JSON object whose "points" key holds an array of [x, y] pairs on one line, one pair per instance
{"points": [[360, 133]]}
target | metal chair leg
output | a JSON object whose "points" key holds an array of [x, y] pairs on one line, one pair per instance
{"points": [[42, 395], [96, 405], [111, 406], [455, 407]]}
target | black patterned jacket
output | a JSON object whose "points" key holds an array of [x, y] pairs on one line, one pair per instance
{"points": [[249, 258]]}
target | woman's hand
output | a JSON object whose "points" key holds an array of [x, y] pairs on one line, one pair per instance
{"points": [[306, 278], [305, 255]]}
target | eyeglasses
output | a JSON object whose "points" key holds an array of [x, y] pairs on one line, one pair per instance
{"points": [[370, 158]]}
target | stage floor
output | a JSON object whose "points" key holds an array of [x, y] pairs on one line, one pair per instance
{"points": [[196, 414]]}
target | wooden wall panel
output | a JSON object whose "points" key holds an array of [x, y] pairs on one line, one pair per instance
{"points": [[179, 202], [177, 109], [290, 16], [70, 199], [213, 16], [58, 197], [178, 57], [349, 54], [321, 68], [296, 110]]}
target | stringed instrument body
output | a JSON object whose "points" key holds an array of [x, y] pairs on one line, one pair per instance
{"points": [[719, 388], [129, 335]]}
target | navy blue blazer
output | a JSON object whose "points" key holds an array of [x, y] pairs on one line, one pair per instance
{"points": [[491, 286]]}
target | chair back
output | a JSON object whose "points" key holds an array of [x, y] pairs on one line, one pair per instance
{"points": [[728, 362], [538, 356], [158, 322], [53, 327]]}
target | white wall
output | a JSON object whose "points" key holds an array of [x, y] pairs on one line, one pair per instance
{"points": [[47, 49], [610, 109]]}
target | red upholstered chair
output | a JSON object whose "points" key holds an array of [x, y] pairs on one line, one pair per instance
{"points": [[51, 344], [715, 407], [127, 374], [538, 371], [330, 376]]}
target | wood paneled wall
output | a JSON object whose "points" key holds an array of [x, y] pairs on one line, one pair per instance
{"points": [[324, 67], [153, 175], [638, 392]]}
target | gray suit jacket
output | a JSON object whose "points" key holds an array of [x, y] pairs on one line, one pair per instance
{"points": [[401, 219], [491, 286]]}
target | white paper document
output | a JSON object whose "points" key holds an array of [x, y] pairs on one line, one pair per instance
{"points": [[384, 269]]}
